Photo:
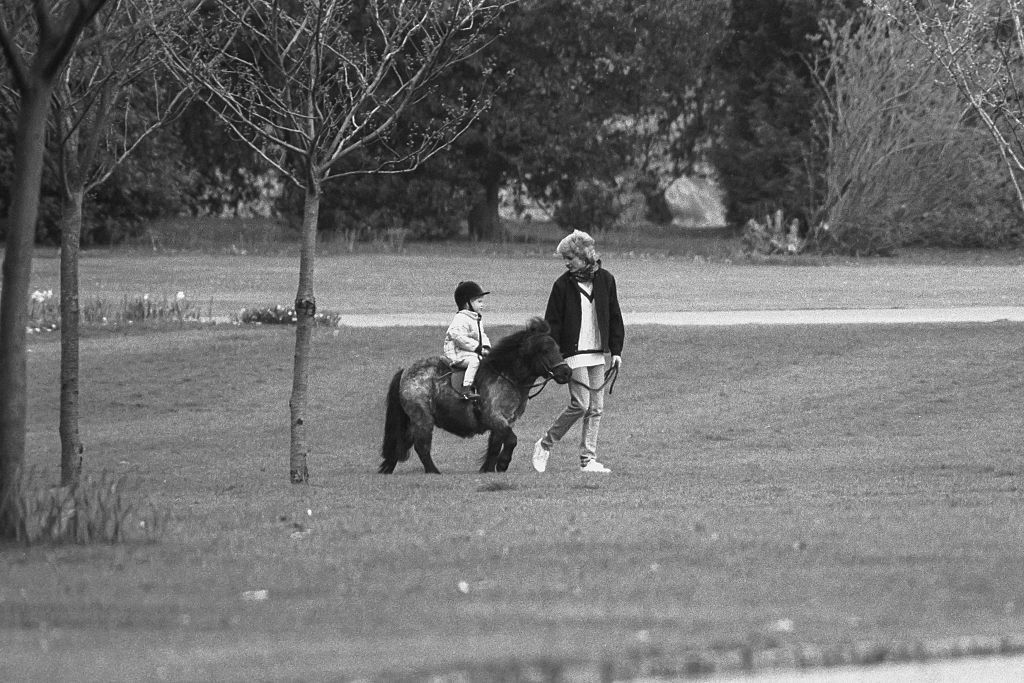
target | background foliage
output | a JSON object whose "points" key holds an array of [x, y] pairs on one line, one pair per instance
{"points": [[904, 164], [604, 104]]}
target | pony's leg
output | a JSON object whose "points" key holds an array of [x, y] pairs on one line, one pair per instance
{"points": [[422, 441], [508, 445], [491, 460]]}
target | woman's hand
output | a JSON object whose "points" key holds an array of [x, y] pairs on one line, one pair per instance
{"points": [[616, 361]]}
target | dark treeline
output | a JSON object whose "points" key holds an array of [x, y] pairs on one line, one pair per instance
{"points": [[598, 99]]}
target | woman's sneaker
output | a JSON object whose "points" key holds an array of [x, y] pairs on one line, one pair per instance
{"points": [[540, 456], [594, 466]]}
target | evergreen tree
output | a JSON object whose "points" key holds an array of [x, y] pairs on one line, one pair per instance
{"points": [[764, 151]]}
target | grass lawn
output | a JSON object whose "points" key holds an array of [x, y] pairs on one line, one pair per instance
{"points": [[422, 280], [770, 487]]}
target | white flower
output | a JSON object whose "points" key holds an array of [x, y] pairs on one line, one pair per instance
{"points": [[180, 296]]}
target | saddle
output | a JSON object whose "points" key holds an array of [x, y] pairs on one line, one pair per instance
{"points": [[458, 373]]}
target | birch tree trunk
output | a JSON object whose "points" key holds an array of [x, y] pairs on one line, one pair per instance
{"points": [[305, 310], [70, 441]]}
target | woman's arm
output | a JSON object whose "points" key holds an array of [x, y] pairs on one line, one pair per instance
{"points": [[554, 314], [616, 328]]}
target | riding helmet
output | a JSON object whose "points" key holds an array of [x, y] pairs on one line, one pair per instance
{"points": [[467, 291]]}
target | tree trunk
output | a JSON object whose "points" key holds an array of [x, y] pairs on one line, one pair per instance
{"points": [[484, 223], [72, 199], [29, 149], [305, 310], [71, 231]]}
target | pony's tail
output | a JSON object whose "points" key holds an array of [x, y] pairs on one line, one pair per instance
{"points": [[395, 447]]}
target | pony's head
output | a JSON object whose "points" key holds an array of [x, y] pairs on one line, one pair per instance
{"points": [[531, 352]]}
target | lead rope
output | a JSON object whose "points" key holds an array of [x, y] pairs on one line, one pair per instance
{"points": [[537, 393], [610, 376]]}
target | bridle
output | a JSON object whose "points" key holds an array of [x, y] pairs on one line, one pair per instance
{"points": [[549, 374]]}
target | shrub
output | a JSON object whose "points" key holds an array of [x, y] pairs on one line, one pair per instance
{"points": [[774, 235], [425, 204], [592, 207], [904, 166], [147, 309], [43, 312], [281, 315]]}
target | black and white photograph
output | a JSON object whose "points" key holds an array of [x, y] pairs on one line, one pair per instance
{"points": [[512, 341]]}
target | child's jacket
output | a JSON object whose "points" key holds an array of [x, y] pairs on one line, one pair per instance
{"points": [[465, 335]]}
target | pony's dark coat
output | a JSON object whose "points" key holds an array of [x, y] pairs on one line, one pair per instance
{"points": [[420, 397]]}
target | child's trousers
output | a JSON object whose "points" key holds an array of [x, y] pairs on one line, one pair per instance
{"points": [[472, 365]]}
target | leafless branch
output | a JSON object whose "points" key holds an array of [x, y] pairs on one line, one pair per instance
{"points": [[17, 66], [965, 37], [311, 84]]}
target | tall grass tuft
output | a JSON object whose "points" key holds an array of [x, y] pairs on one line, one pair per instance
{"points": [[97, 509]]}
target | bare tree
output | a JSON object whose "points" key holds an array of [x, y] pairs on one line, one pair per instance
{"points": [[896, 147], [108, 101], [980, 46], [309, 83], [34, 68]]}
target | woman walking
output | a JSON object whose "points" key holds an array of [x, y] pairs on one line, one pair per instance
{"points": [[583, 311]]}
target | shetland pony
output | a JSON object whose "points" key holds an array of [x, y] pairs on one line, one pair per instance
{"points": [[421, 397]]}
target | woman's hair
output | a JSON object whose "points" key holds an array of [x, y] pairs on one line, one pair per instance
{"points": [[577, 243]]}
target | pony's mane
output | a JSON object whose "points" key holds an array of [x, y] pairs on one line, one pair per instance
{"points": [[507, 351]]}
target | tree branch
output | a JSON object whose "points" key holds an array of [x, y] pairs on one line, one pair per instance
{"points": [[83, 15], [19, 72]]}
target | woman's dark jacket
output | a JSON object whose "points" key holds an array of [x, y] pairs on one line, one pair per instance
{"points": [[564, 314]]}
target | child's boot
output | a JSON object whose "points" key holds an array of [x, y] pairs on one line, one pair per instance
{"points": [[469, 393]]}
